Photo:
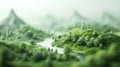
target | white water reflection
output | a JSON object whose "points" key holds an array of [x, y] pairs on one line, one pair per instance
{"points": [[47, 44]]}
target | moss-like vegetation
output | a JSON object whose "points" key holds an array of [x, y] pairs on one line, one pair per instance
{"points": [[16, 54], [94, 44], [86, 41], [103, 58], [24, 33], [28, 55]]}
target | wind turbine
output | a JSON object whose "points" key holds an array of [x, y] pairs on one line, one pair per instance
{"points": [[83, 22], [6, 35]]}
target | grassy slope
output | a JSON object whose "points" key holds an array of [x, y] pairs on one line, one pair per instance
{"points": [[86, 41], [117, 33]]}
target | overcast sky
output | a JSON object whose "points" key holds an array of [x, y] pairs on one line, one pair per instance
{"points": [[32, 10]]}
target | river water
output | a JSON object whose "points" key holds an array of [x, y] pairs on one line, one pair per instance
{"points": [[47, 44]]}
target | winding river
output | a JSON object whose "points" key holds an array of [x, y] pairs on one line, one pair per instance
{"points": [[47, 44]]}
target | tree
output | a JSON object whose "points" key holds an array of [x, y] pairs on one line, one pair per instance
{"points": [[96, 42], [29, 34], [67, 50], [4, 57], [32, 42], [59, 57], [22, 47], [37, 57], [81, 41], [87, 38], [48, 62], [94, 33], [89, 44]]}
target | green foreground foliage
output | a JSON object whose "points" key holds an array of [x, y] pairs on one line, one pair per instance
{"points": [[103, 58], [27, 55], [22, 54]]}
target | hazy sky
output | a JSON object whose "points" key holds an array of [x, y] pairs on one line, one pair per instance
{"points": [[32, 10]]}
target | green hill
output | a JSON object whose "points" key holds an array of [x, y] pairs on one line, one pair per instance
{"points": [[86, 41], [24, 33]]}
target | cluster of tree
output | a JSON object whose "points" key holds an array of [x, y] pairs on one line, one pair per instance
{"points": [[24, 33], [103, 58], [22, 52], [86, 38]]}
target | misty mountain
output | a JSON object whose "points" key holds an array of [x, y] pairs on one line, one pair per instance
{"points": [[107, 18], [11, 22], [107, 22], [62, 23]]}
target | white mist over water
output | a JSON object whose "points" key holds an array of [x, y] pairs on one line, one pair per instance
{"points": [[47, 44]]}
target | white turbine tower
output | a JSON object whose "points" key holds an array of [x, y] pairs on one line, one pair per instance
{"points": [[6, 35], [83, 23]]}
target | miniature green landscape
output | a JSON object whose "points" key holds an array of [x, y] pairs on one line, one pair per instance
{"points": [[22, 45], [27, 54]]}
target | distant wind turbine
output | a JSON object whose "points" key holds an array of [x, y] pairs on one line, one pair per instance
{"points": [[6, 35], [83, 23]]}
